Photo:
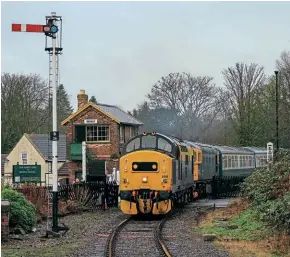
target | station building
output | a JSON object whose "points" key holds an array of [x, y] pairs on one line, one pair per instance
{"points": [[105, 128]]}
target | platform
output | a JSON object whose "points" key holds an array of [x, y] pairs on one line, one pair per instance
{"points": [[218, 203]]}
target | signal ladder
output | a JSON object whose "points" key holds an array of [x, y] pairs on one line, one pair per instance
{"points": [[50, 69]]}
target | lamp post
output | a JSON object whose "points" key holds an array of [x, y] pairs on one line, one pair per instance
{"points": [[277, 108]]}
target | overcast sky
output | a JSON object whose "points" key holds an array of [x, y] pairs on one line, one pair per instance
{"points": [[118, 50]]}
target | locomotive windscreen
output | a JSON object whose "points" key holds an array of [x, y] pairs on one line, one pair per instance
{"points": [[144, 166]]}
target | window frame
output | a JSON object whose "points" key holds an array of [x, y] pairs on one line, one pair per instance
{"points": [[98, 141], [121, 134], [131, 131], [22, 159]]}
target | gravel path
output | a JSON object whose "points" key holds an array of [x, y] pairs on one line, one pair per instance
{"points": [[181, 239], [89, 231]]}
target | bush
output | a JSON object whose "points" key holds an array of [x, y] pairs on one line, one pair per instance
{"points": [[22, 211], [268, 192]]}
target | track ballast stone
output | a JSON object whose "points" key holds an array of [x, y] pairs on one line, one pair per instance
{"points": [[181, 239]]}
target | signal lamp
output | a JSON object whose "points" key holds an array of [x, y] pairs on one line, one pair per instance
{"points": [[50, 29]]}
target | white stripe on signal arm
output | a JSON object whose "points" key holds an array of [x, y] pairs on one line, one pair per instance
{"points": [[23, 27]]}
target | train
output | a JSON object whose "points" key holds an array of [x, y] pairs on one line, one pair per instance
{"points": [[158, 170]]}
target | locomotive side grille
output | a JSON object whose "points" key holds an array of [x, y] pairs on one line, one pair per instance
{"points": [[145, 166]]}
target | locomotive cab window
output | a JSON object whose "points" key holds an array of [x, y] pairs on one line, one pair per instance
{"points": [[148, 142], [133, 145], [164, 145]]}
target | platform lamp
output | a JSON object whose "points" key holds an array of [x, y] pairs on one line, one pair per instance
{"points": [[277, 111]]}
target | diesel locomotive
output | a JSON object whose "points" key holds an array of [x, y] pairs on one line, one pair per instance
{"points": [[158, 170]]}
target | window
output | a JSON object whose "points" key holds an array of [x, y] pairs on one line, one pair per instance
{"points": [[98, 133], [133, 145], [225, 162], [251, 161], [164, 145], [121, 134], [148, 142], [49, 167], [236, 163], [132, 132], [24, 158], [229, 161]]}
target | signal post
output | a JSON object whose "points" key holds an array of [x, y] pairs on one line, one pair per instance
{"points": [[50, 29]]}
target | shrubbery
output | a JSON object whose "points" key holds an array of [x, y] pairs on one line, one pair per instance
{"points": [[268, 192], [22, 211]]}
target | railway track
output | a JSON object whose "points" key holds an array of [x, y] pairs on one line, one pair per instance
{"points": [[138, 237]]}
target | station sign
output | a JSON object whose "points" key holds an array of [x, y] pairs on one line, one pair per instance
{"points": [[26, 173]]}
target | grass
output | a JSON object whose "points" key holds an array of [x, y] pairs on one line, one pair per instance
{"points": [[244, 227], [242, 235]]}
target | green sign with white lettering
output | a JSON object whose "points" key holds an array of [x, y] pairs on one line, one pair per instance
{"points": [[26, 173]]}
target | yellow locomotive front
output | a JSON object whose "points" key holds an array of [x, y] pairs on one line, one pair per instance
{"points": [[146, 175]]}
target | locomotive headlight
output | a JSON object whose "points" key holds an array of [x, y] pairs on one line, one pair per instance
{"points": [[154, 166], [144, 179], [135, 166]]}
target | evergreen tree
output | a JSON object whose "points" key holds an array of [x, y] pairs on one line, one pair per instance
{"points": [[93, 100], [64, 109]]}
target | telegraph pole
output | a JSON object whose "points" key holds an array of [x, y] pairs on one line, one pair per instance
{"points": [[50, 29], [277, 111]]}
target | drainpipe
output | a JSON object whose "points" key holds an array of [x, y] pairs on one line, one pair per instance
{"points": [[84, 161]]}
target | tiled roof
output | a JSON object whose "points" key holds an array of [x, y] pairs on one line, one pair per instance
{"points": [[43, 145], [118, 113], [3, 158], [112, 111], [63, 170]]}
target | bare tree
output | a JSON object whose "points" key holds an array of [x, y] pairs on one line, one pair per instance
{"points": [[242, 86], [192, 99], [23, 99], [283, 66]]}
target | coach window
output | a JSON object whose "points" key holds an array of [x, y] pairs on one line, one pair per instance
{"points": [[230, 161], [236, 161], [133, 145], [148, 142], [164, 145], [225, 162]]}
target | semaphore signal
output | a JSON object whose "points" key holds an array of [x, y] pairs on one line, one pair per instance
{"points": [[50, 29]]}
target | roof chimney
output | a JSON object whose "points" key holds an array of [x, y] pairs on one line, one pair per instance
{"points": [[82, 98]]}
